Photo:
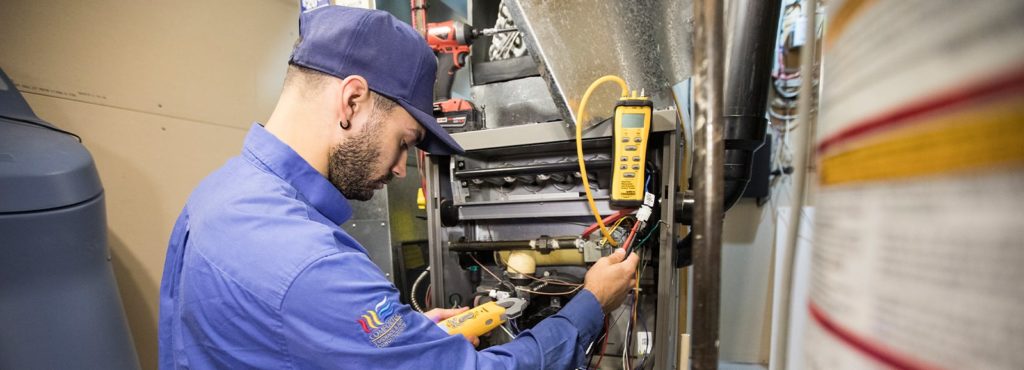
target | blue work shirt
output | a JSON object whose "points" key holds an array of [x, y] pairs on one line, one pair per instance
{"points": [[259, 275]]}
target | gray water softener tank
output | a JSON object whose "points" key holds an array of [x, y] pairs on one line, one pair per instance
{"points": [[59, 304]]}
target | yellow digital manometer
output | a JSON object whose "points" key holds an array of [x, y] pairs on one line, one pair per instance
{"points": [[631, 129]]}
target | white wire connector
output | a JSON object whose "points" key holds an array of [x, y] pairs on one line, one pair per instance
{"points": [[497, 294], [644, 213]]}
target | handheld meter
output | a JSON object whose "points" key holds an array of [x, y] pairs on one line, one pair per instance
{"points": [[632, 126], [483, 318]]}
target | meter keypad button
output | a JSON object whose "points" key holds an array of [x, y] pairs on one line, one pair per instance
{"points": [[629, 174], [631, 148], [625, 159], [636, 167], [637, 139], [625, 139], [636, 158], [622, 167]]}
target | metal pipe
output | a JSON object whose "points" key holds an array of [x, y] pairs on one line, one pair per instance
{"points": [[708, 176], [418, 14], [506, 245], [800, 160]]}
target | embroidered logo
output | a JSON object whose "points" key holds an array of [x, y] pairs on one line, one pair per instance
{"points": [[310, 5], [382, 324]]}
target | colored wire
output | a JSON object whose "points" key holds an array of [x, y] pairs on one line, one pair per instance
{"points": [[619, 222], [647, 351], [606, 334], [631, 324], [574, 290], [604, 344], [629, 240], [614, 216], [487, 270], [649, 233], [580, 119]]}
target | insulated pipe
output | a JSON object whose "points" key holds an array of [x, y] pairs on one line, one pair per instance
{"points": [[708, 181], [561, 257], [520, 263], [748, 65]]}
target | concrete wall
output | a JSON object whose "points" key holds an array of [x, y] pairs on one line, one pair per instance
{"points": [[162, 93]]}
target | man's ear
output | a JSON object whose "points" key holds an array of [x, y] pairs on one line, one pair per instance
{"points": [[355, 97]]}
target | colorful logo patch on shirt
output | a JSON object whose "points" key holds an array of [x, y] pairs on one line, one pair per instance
{"points": [[309, 5], [382, 324]]}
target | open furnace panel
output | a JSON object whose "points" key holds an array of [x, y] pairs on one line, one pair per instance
{"points": [[517, 195]]}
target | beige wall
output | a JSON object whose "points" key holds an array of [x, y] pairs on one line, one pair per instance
{"points": [[162, 93]]}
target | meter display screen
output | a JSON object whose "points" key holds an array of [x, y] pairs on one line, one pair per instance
{"points": [[633, 120]]}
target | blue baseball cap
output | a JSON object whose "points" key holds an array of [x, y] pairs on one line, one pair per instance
{"points": [[393, 58]]}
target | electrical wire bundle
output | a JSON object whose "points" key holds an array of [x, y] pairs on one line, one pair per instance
{"points": [[634, 319], [786, 82]]}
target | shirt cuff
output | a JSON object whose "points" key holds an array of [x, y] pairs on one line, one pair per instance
{"points": [[585, 314]]}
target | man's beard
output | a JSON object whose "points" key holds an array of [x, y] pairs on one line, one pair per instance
{"points": [[350, 166]]}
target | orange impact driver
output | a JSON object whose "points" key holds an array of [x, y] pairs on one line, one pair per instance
{"points": [[450, 40]]}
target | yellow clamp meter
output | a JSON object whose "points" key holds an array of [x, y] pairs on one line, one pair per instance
{"points": [[632, 126], [483, 318]]}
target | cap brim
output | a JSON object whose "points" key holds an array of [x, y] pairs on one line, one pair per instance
{"points": [[436, 140]]}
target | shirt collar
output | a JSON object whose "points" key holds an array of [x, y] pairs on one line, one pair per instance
{"points": [[263, 147]]}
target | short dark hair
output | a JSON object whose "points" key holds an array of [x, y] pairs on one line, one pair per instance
{"points": [[312, 80]]}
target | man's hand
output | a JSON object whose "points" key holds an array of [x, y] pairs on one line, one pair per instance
{"points": [[439, 314], [611, 278]]}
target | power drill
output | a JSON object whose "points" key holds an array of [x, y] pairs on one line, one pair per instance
{"points": [[450, 40]]}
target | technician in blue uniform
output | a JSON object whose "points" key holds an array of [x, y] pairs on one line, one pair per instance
{"points": [[258, 273]]}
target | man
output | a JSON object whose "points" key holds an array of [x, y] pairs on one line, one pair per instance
{"points": [[258, 273]]}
